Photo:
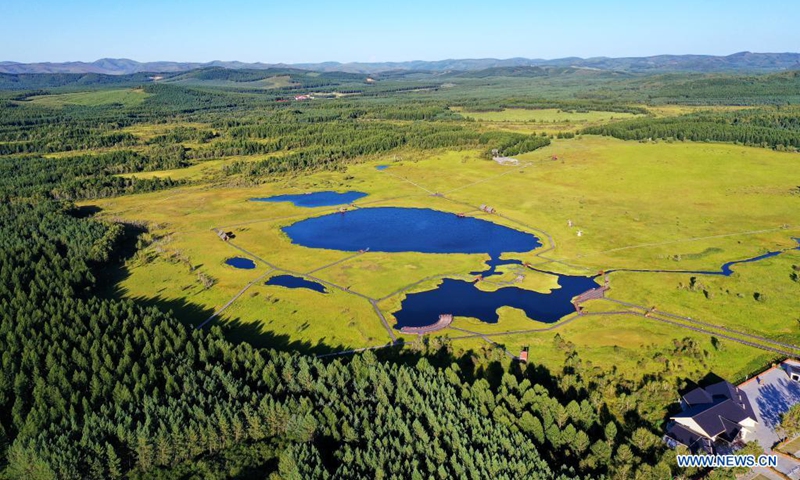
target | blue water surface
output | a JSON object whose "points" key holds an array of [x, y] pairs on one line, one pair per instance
{"points": [[381, 167], [463, 299], [395, 229], [241, 262], [315, 199], [290, 281]]}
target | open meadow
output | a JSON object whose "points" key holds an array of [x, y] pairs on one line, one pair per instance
{"points": [[655, 206]]}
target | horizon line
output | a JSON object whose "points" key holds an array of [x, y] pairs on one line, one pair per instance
{"points": [[339, 62]]}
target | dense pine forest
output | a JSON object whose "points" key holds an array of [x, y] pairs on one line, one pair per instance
{"points": [[777, 128], [93, 387], [96, 386]]}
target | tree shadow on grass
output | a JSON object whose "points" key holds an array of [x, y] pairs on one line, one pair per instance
{"points": [[258, 336], [109, 282], [235, 330]]}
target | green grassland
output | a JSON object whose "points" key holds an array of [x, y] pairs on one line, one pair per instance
{"points": [[639, 205], [549, 120], [278, 81], [545, 115], [147, 131], [125, 97], [637, 347]]}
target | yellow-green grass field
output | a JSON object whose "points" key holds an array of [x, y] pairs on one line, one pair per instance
{"points": [[550, 120], [148, 131], [128, 97], [277, 81], [637, 346], [271, 316], [545, 115], [676, 206], [675, 110]]}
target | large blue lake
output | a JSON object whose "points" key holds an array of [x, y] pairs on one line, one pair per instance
{"points": [[315, 199], [395, 229]]}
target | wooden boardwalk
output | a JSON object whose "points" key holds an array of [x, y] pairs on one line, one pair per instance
{"points": [[444, 321]]}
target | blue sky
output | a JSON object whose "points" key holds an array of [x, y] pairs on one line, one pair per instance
{"points": [[314, 31]]}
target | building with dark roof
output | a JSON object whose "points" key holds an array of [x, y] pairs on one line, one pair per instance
{"points": [[715, 419]]}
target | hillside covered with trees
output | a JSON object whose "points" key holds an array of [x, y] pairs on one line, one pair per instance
{"points": [[93, 385]]}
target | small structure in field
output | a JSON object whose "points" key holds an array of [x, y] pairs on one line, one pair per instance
{"points": [[301, 98], [554, 158], [488, 209], [224, 236], [580, 233], [569, 223], [503, 160], [523, 355]]}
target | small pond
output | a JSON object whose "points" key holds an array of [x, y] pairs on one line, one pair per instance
{"points": [[381, 167], [315, 199], [241, 262], [291, 281]]}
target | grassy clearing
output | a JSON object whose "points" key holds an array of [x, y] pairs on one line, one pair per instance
{"points": [[759, 297], [146, 131], [274, 316], [545, 115], [666, 200], [206, 170], [637, 346], [675, 110], [278, 81], [548, 120], [126, 97]]}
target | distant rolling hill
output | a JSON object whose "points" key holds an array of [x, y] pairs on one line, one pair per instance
{"points": [[738, 62]]}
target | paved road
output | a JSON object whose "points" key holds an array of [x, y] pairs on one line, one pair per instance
{"points": [[771, 393]]}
